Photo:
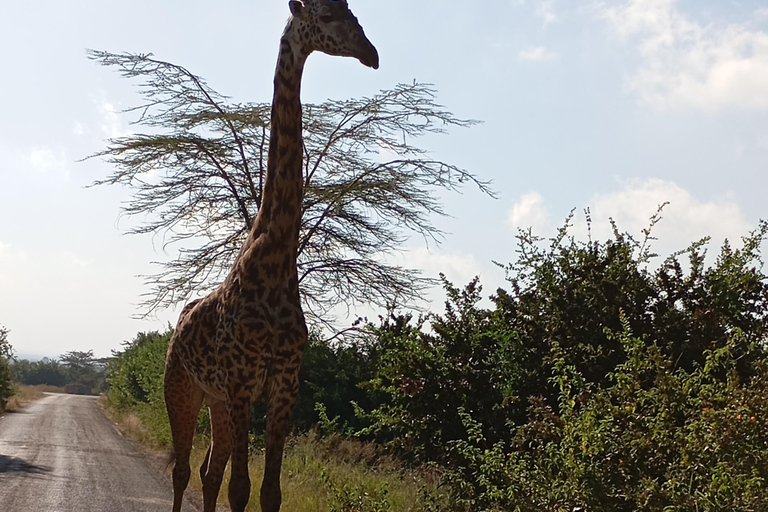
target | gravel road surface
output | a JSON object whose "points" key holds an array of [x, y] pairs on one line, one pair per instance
{"points": [[61, 454]]}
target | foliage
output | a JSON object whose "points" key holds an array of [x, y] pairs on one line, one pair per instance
{"points": [[330, 376], [470, 359], [74, 367], [349, 499], [656, 439], [44, 372], [537, 404], [6, 381], [135, 377], [597, 382], [200, 170], [334, 473], [83, 368]]}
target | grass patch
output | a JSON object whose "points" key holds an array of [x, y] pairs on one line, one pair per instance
{"points": [[25, 394], [132, 423], [338, 475], [320, 474]]}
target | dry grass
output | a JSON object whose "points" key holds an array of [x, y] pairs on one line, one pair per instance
{"points": [[336, 474], [26, 394], [131, 425], [319, 474]]}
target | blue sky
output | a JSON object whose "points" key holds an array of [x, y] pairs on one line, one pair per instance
{"points": [[618, 105]]}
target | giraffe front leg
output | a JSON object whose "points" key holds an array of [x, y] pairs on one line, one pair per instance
{"points": [[239, 413], [283, 389]]}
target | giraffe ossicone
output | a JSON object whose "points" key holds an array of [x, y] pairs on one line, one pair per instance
{"points": [[244, 341]]}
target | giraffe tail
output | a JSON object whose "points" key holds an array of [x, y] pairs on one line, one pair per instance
{"points": [[170, 459]]}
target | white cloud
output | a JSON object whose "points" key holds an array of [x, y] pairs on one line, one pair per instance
{"points": [[459, 268], [536, 54], [45, 161], [75, 261], [684, 220], [530, 212], [761, 14], [545, 9], [112, 123], [687, 64]]}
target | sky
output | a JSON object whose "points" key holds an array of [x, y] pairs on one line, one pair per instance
{"points": [[615, 105]]}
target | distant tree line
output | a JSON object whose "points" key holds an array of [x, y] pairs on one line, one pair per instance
{"points": [[73, 367]]}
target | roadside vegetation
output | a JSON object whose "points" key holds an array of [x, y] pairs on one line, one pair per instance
{"points": [[13, 394], [23, 394], [324, 468], [23, 381], [6, 380], [603, 378]]}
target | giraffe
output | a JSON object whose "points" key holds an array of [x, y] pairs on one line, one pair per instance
{"points": [[244, 341]]}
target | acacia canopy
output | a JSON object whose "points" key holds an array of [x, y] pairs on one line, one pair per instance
{"points": [[196, 175]]}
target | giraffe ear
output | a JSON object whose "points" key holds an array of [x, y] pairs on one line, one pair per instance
{"points": [[297, 8]]}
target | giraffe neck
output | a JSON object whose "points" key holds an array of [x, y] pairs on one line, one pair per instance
{"points": [[281, 207]]}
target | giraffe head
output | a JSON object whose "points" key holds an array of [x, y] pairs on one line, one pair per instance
{"points": [[330, 27]]}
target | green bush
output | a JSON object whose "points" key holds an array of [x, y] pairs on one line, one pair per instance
{"points": [[537, 403], [6, 378], [656, 439], [135, 378], [334, 377]]}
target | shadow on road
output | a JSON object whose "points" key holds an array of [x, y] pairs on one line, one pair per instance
{"points": [[20, 410], [16, 465]]}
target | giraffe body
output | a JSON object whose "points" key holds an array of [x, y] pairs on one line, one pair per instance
{"points": [[245, 340]]}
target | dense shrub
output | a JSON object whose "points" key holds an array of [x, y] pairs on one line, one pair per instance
{"points": [[135, 375], [333, 376], [655, 439], [537, 403], [135, 378], [469, 359]]}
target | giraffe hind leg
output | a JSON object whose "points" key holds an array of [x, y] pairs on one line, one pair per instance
{"points": [[183, 400], [212, 470]]}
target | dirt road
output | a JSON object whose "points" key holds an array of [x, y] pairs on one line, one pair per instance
{"points": [[61, 454]]}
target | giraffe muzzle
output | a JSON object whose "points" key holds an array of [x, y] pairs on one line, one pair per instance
{"points": [[369, 56]]}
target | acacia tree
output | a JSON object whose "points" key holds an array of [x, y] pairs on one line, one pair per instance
{"points": [[83, 368], [197, 176]]}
